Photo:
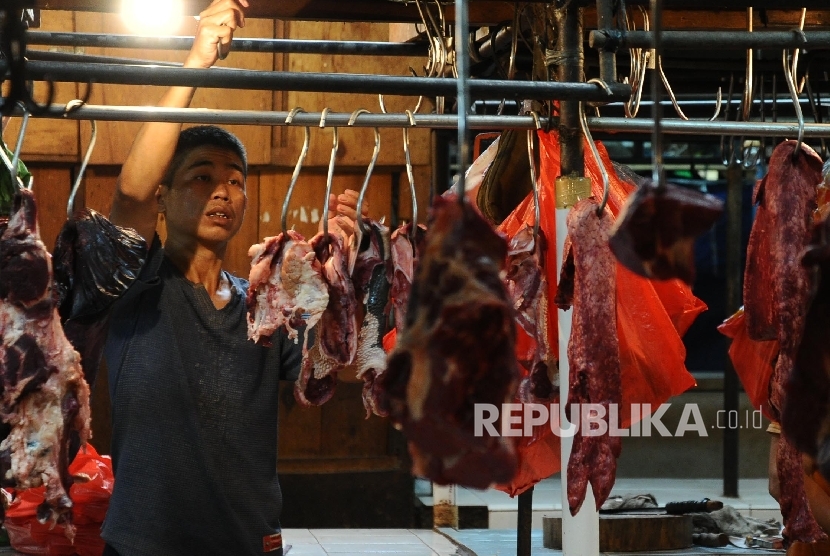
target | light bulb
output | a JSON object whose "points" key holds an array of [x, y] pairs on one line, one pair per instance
{"points": [[152, 17]]}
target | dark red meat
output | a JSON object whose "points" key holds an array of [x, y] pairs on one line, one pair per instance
{"points": [[593, 351], [805, 419], [527, 287], [655, 233], [404, 253], [789, 195], [372, 287], [759, 305], [337, 331], [44, 395], [457, 350]]}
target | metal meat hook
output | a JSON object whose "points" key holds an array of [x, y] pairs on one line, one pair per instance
{"points": [[297, 168]]}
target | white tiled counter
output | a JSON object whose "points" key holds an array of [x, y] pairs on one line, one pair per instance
{"points": [[353, 542]]}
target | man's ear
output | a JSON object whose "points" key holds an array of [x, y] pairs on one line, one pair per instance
{"points": [[161, 193]]}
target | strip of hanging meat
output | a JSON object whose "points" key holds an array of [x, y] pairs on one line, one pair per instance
{"points": [[593, 348], [286, 287], [789, 194], [805, 419], [372, 290], [655, 233], [337, 331], [44, 395], [456, 350], [527, 287], [404, 258], [759, 305], [335, 343]]}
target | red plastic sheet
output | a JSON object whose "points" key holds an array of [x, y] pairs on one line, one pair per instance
{"points": [[90, 502], [651, 317], [753, 361]]}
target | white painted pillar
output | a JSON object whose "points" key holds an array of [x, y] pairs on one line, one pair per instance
{"points": [[580, 533]]}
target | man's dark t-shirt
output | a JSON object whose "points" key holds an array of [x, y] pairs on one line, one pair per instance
{"points": [[194, 411]]}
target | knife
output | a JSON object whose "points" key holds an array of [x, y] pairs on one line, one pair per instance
{"points": [[673, 508]]}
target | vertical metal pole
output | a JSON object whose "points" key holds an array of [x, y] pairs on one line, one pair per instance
{"points": [[607, 59], [734, 199], [462, 62], [658, 175], [525, 523], [569, 46], [580, 533]]}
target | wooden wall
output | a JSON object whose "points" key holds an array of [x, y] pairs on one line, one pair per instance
{"points": [[336, 437]]}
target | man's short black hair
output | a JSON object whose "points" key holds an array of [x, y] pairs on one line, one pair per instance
{"points": [[199, 136]]}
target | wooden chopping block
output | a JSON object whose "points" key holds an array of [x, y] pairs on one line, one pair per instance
{"points": [[630, 532]]}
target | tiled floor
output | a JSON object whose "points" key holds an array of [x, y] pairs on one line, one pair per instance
{"points": [[352, 542], [754, 500], [489, 542]]}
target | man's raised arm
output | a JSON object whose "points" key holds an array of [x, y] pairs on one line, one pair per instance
{"points": [[134, 205]]}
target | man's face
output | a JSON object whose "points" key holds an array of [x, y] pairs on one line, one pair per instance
{"points": [[207, 199]]}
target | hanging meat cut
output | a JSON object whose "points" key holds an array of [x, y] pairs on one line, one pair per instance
{"points": [[290, 287], [593, 348], [371, 285], [788, 196], [806, 416], [655, 233], [337, 331], [527, 287], [286, 287], [404, 258], [44, 395], [456, 351]]}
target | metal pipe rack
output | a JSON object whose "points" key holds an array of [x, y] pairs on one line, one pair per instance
{"points": [[295, 46], [314, 82], [710, 40], [671, 126]]}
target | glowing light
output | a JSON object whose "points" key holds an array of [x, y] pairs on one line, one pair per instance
{"points": [[152, 17]]}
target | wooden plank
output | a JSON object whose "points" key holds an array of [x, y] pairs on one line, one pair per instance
{"points": [[355, 144], [629, 533], [98, 188], [306, 205], [51, 188], [115, 138], [346, 432], [49, 140]]}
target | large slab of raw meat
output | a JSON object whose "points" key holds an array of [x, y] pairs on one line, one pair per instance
{"points": [[455, 351], [44, 396], [654, 234]]}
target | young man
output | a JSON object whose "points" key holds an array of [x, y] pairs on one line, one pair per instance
{"points": [[194, 401]]}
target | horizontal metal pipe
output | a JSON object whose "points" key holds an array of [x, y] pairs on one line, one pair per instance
{"points": [[432, 121], [710, 40], [49, 56], [703, 127], [268, 118], [315, 82], [295, 46]]}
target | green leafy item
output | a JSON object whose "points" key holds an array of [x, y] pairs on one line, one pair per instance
{"points": [[7, 186]]}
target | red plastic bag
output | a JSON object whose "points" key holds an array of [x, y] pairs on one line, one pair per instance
{"points": [[753, 361], [90, 502], [651, 317]]}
